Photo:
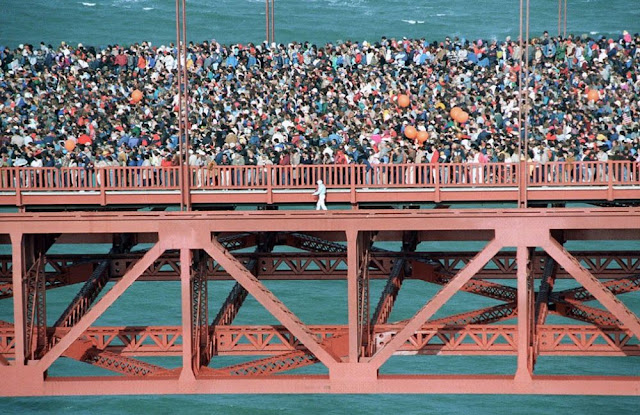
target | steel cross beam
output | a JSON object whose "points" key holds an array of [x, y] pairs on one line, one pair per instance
{"points": [[72, 269], [131, 340], [389, 293], [431, 307], [231, 307], [426, 272], [481, 316], [582, 312], [588, 281], [270, 302], [313, 244], [608, 264], [84, 351], [620, 286], [430, 338], [93, 314], [86, 296], [394, 282], [287, 361], [544, 293], [65, 272]]}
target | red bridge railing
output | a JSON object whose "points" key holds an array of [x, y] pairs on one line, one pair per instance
{"points": [[20, 186]]}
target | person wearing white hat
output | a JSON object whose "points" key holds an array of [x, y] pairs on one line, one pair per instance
{"points": [[321, 192]]}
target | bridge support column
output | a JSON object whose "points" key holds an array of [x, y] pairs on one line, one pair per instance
{"points": [[187, 373], [524, 370], [17, 264], [358, 247]]}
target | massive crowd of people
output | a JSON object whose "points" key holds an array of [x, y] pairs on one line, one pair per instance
{"points": [[298, 103]]}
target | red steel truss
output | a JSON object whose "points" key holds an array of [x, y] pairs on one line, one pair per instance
{"points": [[620, 266], [249, 248]]}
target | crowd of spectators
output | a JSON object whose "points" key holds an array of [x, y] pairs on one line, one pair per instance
{"points": [[298, 103]]}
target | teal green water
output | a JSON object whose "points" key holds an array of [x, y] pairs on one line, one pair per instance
{"points": [[102, 22]]}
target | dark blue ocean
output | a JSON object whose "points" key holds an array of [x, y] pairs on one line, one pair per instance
{"points": [[103, 22]]}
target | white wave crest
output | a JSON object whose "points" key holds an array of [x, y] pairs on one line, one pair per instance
{"points": [[413, 21], [88, 4]]}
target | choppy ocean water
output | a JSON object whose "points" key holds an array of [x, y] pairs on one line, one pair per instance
{"points": [[102, 22]]}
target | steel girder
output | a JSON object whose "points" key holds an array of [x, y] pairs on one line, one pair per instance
{"points": [[72, 269], [431, 338]]}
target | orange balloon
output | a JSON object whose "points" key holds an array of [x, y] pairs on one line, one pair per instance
{"points": [[422, 136], [455, 111], [593, 95], [463, 117], [404, 100], [69, 145], [136, 96], [410, 131]]}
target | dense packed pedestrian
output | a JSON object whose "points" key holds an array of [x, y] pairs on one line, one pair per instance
{"points": [[302, 104]]}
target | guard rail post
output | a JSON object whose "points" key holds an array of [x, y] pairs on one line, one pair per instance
{"points": [[352, 186], [101, 182], [436, 182], [609, 173], [269, 169], [17, 176]]}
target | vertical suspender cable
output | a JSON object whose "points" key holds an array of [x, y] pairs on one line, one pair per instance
{"points": [[526, 104], [179, 85], [521, 164], [185, 113], [565, 18], [267, 14], [559, 17], [273, 18]]}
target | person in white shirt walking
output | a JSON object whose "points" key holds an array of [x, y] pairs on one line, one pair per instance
{"points": [[321, 192]]}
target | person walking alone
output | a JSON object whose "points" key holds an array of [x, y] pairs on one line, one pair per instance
{"points": [[321, 192]]}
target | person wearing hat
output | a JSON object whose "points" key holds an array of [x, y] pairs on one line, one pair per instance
{"points": [[321, 192]]}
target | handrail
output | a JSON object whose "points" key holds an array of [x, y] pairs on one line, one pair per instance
{"points": [[337, 177]]}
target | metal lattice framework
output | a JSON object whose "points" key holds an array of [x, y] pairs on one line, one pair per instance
{"points": [[198, 248]]}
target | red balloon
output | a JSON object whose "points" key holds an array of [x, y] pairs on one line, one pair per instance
{"points": [[410, 131], [593, 95], [422, 136], [136, 96], [455, 111], [404, 100], [69, 145]]}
